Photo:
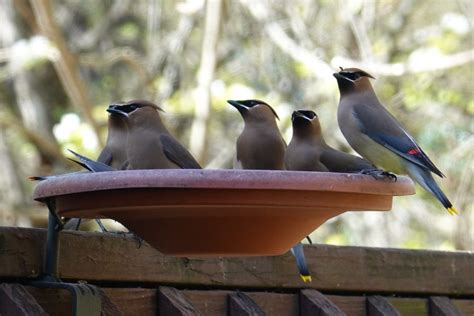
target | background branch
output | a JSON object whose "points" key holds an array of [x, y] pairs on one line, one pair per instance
{"points": [[204, 79], [65, 65]]}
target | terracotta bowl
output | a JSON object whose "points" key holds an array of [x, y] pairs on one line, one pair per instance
{"points": [[219, 212]]}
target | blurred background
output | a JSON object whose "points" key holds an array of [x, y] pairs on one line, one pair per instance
{"points": [[63, 62]]}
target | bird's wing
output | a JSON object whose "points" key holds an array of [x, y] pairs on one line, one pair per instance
{"points": [[177, 153], [383, 128], [105, 156], [90, 164], [337, 161]]}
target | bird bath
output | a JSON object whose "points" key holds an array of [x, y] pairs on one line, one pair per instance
{"points": [[219, 212]]}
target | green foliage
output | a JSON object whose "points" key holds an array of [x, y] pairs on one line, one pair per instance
{"points": [[141, 51]]}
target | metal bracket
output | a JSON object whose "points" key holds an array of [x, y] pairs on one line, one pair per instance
{"points": [[86, 298]]}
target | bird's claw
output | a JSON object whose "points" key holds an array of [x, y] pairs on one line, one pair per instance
{"points": [[101, 225], [379, 174]]}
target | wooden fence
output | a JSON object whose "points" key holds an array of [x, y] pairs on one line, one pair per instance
{"points": [[135, 279]]}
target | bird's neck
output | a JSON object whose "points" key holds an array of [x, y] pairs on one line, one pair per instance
{"points": [[362, 95], [150, 122], [259, 123]]}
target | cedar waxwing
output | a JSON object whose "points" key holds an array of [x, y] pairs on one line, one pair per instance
{"points": [[92, 166], [298, 253], [114, 152], [308, 151], [377, 136], [260, 145], [89, 164], [149, 144], [86, 163]]}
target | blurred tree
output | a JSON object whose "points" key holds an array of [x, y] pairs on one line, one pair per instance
{"points": [[62, 62]]}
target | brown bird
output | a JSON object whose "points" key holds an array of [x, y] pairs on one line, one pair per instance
{"points": [[149, 144], [260, 145], [378, 137], [114, 153], [308, 151]]}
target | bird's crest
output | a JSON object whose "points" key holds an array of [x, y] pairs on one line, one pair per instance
{"points": [[354, 73], [130, 106]]}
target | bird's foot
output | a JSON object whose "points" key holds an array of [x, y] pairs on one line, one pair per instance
{"points": [[380, 174], [101, 225], [309, 240]]}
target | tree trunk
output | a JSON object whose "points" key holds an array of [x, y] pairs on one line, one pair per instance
{"points": [[205, 76]]}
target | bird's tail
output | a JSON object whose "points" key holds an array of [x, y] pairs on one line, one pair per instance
{"points": [[425, 179], [89, 164], [298, 252]]}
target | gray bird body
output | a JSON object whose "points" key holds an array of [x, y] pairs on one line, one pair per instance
{"points": [[149, 143], [377, 136], [260, 145], [308, 150], [114, 153]]}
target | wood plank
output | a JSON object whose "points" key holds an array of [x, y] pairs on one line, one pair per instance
{"points": [[125, 301], [442, 306], [55, 302], [133, 301], [350, 305], [215, 303], [101, 257], [410, 306], [171, 302], [465, 306], [313, 302], [276, 303], [209, 303], [380, 306], [16, 300], [240, 304]]}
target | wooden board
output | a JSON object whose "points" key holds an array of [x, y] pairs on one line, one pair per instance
{"points": [[112, 257], [465, 306], [351, 305], [410, 306], [129, 301], [139, 301]]}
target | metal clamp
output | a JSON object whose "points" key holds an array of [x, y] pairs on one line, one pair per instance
{"points": [[86, 298]]}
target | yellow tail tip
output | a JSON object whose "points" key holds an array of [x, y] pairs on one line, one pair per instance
{"points": [[306, 278], [452, 210]]}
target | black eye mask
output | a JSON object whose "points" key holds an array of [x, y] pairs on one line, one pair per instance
{"points": [[351, 75]]}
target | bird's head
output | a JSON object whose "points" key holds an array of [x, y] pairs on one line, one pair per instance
{"points": [[305, 122], [133, 108], [352, 79], [254, 110]]}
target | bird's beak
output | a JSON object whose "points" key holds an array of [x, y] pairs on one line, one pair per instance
{"points": [[339, 76], [112, 109], [239, 106]]}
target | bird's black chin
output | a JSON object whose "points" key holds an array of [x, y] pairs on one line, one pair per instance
{"points": [[239, 106], [345, 84]]}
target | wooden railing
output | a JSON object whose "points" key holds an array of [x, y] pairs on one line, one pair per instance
{"points": [[136, 279]]}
